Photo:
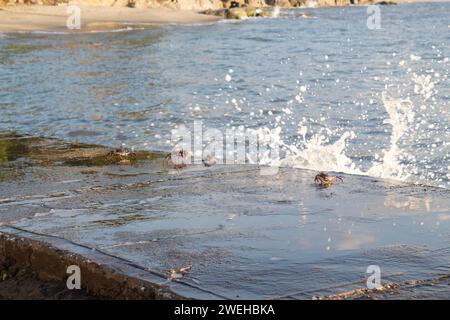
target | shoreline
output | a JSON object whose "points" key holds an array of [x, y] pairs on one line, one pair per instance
{"points": [[33, 18], [93, 18]]}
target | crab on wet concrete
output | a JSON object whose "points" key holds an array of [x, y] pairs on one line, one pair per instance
{"points": [[326, 180]]}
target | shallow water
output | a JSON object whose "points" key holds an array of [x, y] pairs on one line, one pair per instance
{"points": [[319, 79]]}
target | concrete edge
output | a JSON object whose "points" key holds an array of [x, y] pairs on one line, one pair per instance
{"points": [[102, 275]]}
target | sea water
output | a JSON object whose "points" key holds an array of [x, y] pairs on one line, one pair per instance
{"points": [[331, 93]]}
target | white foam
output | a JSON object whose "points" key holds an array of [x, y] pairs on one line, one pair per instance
{"points": [[275, 12], [318, 153], [401, 116], [125, 29], [423, 85]]}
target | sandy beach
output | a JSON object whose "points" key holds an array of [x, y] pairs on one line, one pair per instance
{"points": [[53, 18]]}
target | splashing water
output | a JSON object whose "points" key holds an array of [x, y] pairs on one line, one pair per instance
{"points": [[318, 81], [423, 85], [275, 12], [318, 153], [405, 140], [327, 148], [400, 118]]}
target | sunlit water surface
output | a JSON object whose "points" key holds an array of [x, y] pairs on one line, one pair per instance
{"points": [[333, 94]]}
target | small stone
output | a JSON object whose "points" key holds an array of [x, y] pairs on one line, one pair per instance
{"points": [[97, 117]]}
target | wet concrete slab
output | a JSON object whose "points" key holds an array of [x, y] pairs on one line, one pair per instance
{"points": [[45, 259], [246, 235]]}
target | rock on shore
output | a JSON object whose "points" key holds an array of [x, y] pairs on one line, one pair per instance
{"points": [[196, 5], [241, 9]]}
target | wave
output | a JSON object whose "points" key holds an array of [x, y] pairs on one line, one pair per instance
{"points": [[318, 153], [124, 29], [326, 150]]}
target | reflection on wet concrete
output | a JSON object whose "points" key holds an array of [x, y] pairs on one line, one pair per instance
{"points": [[245, 235]]}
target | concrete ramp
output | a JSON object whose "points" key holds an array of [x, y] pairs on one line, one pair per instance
{"points": [[237, 234]]}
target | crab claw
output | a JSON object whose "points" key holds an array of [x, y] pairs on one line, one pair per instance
{"points": [[320, 177]]}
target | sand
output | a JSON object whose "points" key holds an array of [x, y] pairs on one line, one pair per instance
{"points": [[53, 18]]}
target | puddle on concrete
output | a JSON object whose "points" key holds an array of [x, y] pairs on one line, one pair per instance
{"points": [[245, 235]]}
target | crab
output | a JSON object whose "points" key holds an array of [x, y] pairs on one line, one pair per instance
{"points": [[209, 160], [178, 158], [325, 180], [178, 273], [121, 155]]}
